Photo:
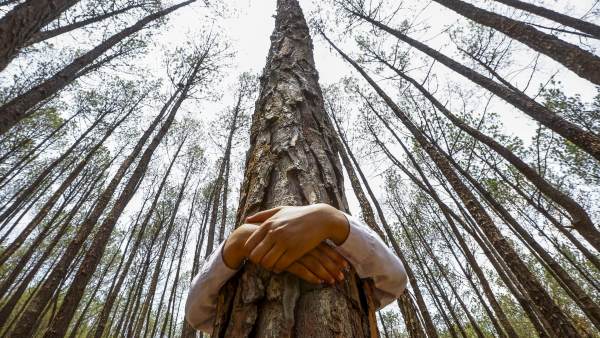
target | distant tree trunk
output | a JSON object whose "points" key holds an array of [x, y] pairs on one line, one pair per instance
{"points": [[23, 326], [18, 108], [224, 203], [161, 254], [581, 62], [49, 34], [544, 12], [93, 255], [587, 141], [43, 211], [346, 154], [23, 22], [116, 289], [291, 162], [546, 305], [580, 218], [221, 183]]}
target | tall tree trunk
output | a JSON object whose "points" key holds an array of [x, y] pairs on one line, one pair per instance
{"points": [[581, 62], [49, 34], [544, 12], [580, 219], [23, 326], [116, 289], [291, 162], [43, 211], [24, 21], [90, 262], [587, 141], [18, 108], [369, 217], [161, 254], [546, 305]]}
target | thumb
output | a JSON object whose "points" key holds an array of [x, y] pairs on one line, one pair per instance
{"points": [[262, 216]]}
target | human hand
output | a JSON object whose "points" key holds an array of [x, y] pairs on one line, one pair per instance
{"points": [[322, 264], [289, 233]]}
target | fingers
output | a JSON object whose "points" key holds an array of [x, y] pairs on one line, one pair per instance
{"points": [[333, 255], [269, 260], [289, 257], [333, 268], [255, 238], [302, 272], [258, 253], [317, 268], [262, 215]]}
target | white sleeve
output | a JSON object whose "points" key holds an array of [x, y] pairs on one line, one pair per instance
{"points": [[202, 298], [371, 258]]}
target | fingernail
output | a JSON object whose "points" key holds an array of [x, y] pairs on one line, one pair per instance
{"points": [[340, 276]]}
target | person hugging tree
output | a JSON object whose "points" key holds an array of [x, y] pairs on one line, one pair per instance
{"points": [[314, 242]]}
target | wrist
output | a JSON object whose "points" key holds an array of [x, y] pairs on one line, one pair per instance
{"points": [[337, 225], [232, 252]]}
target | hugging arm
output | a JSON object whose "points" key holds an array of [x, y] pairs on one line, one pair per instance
{"points": [[359, 245]]}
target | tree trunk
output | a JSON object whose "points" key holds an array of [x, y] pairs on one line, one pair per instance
{"points": [[23, 326], [569, 21], [18, 108], [587, 141], [581, 62], [546, 305], [580, 219], [414, 327], [291, 162], [25, 20], [49, 34], [93, 255], [116, 289]]}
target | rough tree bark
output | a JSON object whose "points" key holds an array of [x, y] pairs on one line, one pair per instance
{"points": [[291, 162], [25, 20]]}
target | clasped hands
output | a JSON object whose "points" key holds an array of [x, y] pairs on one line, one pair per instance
{"points": [[292, 239]]}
